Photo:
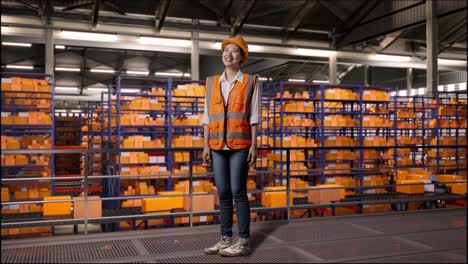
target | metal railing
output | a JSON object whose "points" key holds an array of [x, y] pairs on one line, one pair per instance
{"points": [[191, 176]]}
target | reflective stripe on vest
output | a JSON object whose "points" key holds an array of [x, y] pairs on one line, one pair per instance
{"points": [[229, 123]]}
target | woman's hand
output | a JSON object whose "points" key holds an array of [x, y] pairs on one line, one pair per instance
{"points": [[252, 157], [206, 154]]}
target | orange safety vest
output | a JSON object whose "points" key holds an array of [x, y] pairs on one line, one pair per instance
{"points": [[229, 123]]}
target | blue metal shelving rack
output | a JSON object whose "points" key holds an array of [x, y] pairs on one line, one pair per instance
{"points": [[10, 105], [183, 107], [275, 99], [17, 130], [414, 105], [174, 106], [378, 166], [457, 128], [326, 108]]}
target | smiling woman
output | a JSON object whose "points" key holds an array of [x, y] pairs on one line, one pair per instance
{"points": [[231, 116]]}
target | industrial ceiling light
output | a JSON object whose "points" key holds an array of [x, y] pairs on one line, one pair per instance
{"points": [[320, 81], [165, 42], [256, 48], [66, 88], [137, 72], [102, 71], [174, 74], [421, 91], [88, 36], [262, 78], [296, 80], [59, 46], [67, 69], [390, 57], [16, 44], [60, 110], [451, 87], [25, 67], [451, 62], [314, 52]]}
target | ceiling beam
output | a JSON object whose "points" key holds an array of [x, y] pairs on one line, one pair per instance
{"points": [[71, 7], [341, 15], [114, 7], [388, 40], [296, 21], [353, 20], [239, 22], [317, 69], [452, 31], [226, 10], [95, 14], [219, 15], [407, 14], [458, 37], [29, 6], [344, 72], [292, 73], [160, 14], [269, 12]]}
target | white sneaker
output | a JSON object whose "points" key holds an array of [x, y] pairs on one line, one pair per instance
{"points": [[239, 248], [223, 243]]}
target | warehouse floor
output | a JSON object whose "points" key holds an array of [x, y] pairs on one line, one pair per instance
{"points": [[437, 236]]}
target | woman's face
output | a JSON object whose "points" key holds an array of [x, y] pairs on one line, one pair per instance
{"points": [[232, 55]]}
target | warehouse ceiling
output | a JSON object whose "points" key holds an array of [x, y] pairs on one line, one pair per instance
{"points": [[367, 26]]}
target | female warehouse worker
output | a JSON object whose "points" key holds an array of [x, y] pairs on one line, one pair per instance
{"points": [[232, 113]]}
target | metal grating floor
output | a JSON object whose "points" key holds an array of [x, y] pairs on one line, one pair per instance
{"points": [[431, 236]]}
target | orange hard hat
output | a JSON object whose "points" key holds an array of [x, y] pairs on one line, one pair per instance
{"points": [[239, 41]]}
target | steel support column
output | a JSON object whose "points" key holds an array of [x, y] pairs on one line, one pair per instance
{"points": [[332, 69], [195, 57], [367, 75], [432, 41], [409, 80], [49, 51]]}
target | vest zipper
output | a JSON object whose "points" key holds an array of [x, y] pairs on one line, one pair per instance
{"points": [[225, 113]]}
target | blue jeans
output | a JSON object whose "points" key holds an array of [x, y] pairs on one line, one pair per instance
{"points": [[231, 169]]}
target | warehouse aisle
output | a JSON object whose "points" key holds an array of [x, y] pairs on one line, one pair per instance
{"points": [[437, 236]]}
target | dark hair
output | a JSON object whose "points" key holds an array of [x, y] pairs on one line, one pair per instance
{"points": [[242, 52]]}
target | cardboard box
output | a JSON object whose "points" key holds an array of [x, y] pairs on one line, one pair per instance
{"points": [[319, 195], [203, 202], [458, 188], [410, 189], [94, 207], [273, 199], [5, 194], [163, 203], [59, 208], [449, 178]]}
